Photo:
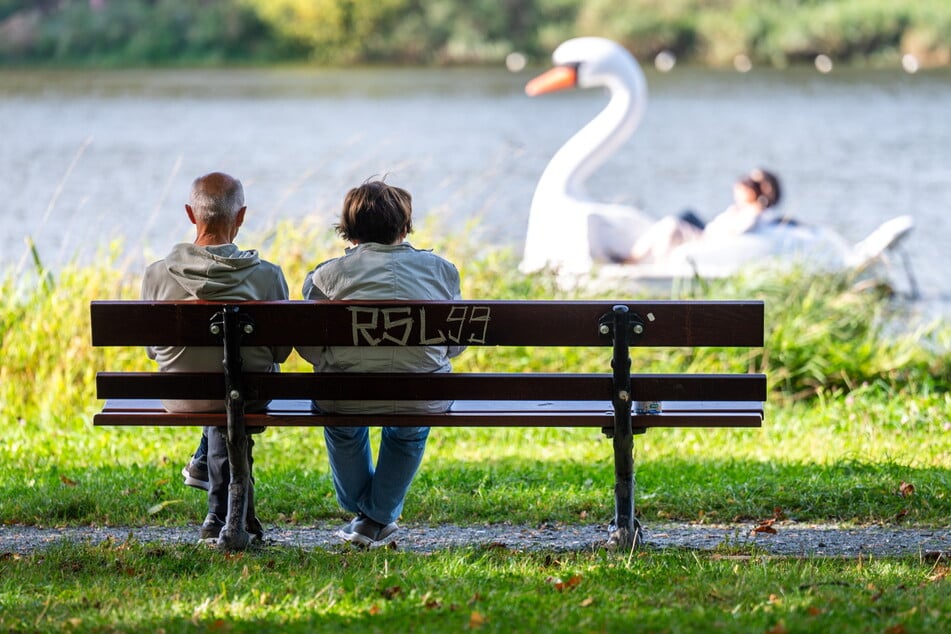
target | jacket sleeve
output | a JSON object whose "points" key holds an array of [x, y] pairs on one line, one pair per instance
{"points": [[455, 351], [309, 290], [280, 292], [148, 293]]}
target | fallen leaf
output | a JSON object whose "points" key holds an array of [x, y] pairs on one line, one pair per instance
{"points": [[939, 573], [813, 611], [374, 610], [906, 488], [779, 628], [476, 620], [778, 513], [587, 602], [67, 481], [766, 526], [895, 629], [391, 593], [161, 506]]}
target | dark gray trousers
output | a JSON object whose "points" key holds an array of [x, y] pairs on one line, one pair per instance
{"points": [[219, 471]]}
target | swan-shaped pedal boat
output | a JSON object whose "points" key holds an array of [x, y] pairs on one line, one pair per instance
{"points": [[576, 235]]}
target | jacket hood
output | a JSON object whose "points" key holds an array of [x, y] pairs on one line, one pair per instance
{"points": [[209, 271]]}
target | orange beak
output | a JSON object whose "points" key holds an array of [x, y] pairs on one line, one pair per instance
{"points": [[558, 78]]}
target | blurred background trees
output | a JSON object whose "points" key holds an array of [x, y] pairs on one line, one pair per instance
{"points": [[343, 32]]}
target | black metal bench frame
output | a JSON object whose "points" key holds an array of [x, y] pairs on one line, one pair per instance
{"points": [[482, 399]]}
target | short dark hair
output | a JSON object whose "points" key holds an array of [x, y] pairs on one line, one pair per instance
{"points": [[767, 185], [376, 212]]}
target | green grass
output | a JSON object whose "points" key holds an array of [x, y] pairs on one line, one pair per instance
{"points": [[859, 404], [131, 587]]}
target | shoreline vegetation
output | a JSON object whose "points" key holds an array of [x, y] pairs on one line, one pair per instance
{"points": [[856, 433], [731, 33]]}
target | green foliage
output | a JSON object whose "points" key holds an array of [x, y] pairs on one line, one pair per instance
{"points": [[837, 332], [341, 32], [137, 33]]}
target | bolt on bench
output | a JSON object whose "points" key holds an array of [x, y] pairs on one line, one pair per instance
{"points": [[563, 399]]}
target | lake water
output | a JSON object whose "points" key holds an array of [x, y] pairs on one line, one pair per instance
{"points": [[88, 157]]}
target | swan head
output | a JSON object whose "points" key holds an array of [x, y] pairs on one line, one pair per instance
{"points": [[591, 62]]}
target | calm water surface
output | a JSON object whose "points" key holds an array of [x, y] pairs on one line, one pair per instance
{"points": [[88, 158]]}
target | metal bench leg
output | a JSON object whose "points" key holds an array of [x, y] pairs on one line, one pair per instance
{"points": [[234, 535], [624, 533]]}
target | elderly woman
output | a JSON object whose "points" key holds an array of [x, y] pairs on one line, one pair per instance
{"points": [[382, 265]]}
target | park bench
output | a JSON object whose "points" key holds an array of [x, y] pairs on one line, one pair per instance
{"points": [[562, 399]]}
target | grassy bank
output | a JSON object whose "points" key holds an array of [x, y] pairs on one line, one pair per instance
{"points": [[859, 409]]}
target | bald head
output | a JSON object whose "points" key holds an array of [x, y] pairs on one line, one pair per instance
{"points": [[216, 198]]}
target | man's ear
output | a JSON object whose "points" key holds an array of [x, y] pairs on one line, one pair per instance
{"points": [[191, 214], [239, 219]]}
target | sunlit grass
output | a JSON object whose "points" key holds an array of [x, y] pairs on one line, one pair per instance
{"points": [[141, 587]]}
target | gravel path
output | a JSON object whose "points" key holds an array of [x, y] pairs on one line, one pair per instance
{"points": [[789, 539]]}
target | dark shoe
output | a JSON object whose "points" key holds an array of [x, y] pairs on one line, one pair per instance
{"points": [[211, 527], [196, 473], [367, 532]]}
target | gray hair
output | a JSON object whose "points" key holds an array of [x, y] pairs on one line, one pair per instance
{"points": [[216, 197]]}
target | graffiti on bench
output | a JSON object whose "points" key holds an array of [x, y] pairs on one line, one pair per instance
{"points": [[398, 325]]}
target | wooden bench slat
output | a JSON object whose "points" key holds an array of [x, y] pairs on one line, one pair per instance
{"points": [[598, 414], [489, 323], [468, 386]]}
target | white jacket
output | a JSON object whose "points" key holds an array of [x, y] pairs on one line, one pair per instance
{"points": [[383, 272]]}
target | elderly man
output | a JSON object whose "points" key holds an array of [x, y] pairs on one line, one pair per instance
{"points": [[213, 268]]}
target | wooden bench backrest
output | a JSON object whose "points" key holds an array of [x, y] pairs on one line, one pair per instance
{"points": [[471, 323], [494, 323]]}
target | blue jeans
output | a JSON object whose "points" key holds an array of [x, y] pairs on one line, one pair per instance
{"points": [[377, 493]]}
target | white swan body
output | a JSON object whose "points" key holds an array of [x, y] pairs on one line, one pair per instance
{"points": [[566, 229], [817, 247], [572, 233]]}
